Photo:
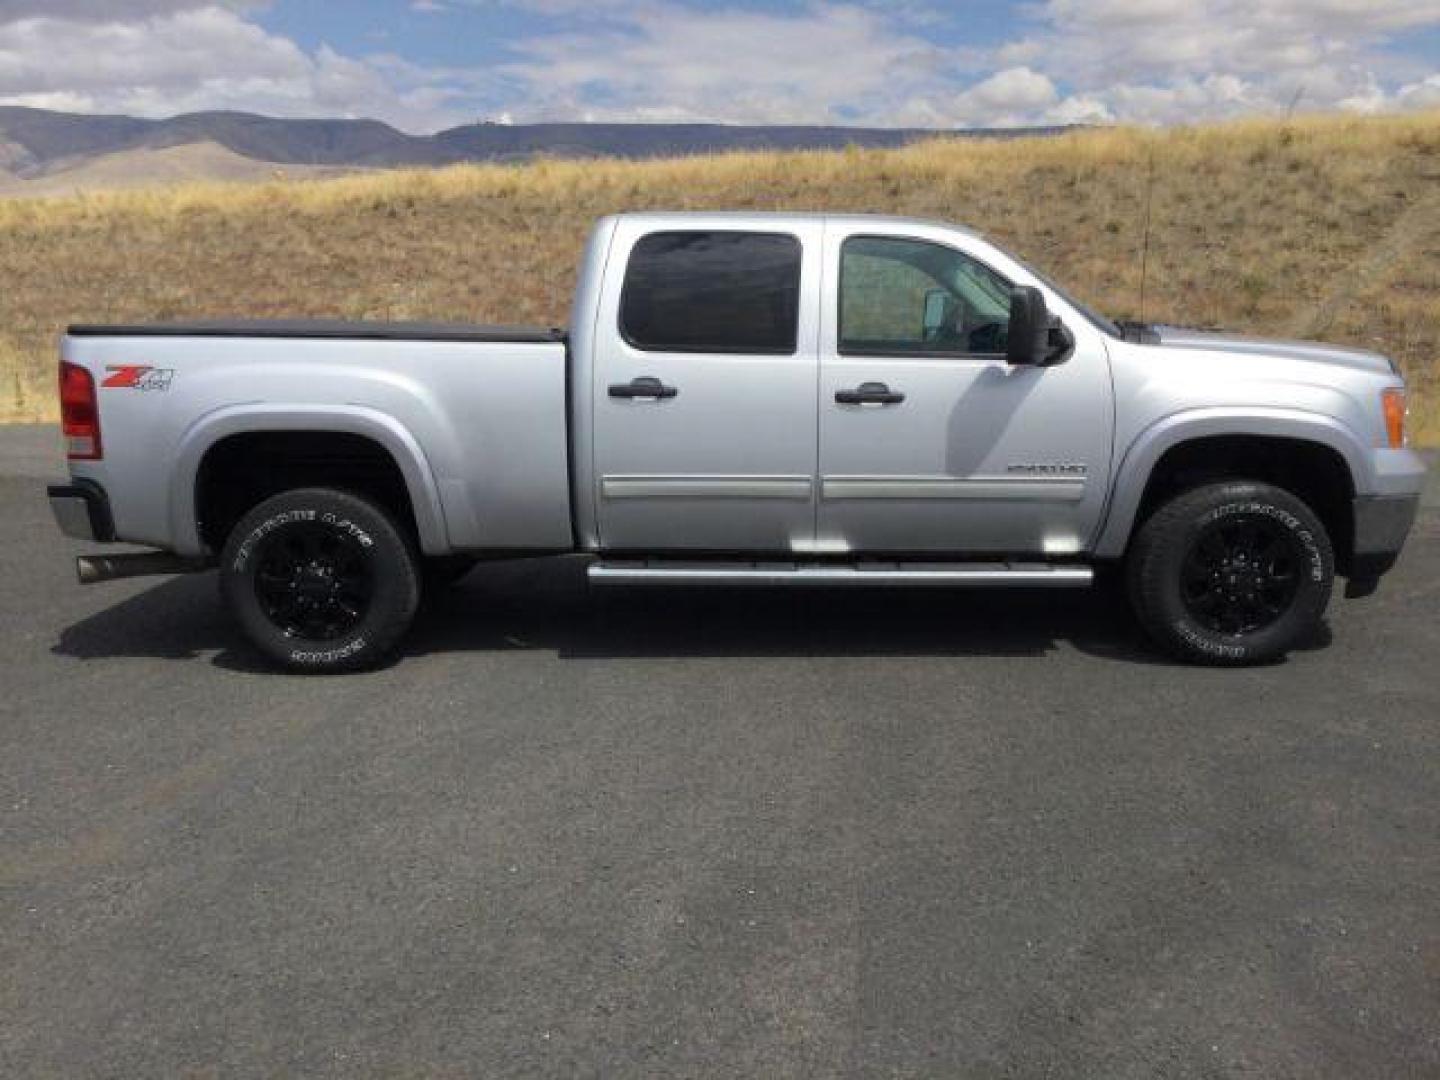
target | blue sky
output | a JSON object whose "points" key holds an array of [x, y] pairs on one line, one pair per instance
{"points": [[428, 64]]}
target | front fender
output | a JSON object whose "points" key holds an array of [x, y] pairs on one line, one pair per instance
{"points": [[385, 430], [1151, 444]]}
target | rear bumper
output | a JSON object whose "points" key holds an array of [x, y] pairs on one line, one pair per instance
{"points": [[1382, 522], [82, 510]]}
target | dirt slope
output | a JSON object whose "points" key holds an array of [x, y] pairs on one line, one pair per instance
{"points": [[142, 168], [1323, 226]]}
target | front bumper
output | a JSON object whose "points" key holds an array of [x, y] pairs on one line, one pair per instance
{"points": [[82, 510], [1382, 522]]}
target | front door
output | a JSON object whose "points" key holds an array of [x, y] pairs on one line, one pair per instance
{"points": [[704, 396], [929, 440]]}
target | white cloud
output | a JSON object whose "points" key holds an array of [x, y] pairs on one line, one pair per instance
{"points": [[196, 57], [1172, 60], [1014, 91], [873, 62], [827, 64], [180, 52], [1424, 94], [1080, 61], [103, 10]]}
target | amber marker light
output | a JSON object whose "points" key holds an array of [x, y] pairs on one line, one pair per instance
{"points": [[1392, 402]]}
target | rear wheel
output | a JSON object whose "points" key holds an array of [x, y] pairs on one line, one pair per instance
{"points": [[321, 580], [1231, 573]]}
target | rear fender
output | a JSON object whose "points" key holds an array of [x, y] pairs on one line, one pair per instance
{"points": [[349, 419]]}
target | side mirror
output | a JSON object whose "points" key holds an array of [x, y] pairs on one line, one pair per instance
{"points": [[1035, 337], [939, 311]]}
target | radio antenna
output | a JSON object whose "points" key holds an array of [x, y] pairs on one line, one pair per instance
{"points": [[1145, 243], [1294, 102]]}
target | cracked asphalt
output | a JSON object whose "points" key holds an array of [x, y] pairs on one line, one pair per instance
{"points": [[709, 834]]}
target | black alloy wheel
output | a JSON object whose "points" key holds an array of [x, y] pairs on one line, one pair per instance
{"points": [[1241, 574], [313, 580]]}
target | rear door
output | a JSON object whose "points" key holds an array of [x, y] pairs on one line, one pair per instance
{"points": [[705, 387]]}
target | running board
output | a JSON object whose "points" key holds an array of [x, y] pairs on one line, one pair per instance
{"points": [[919, 575]]}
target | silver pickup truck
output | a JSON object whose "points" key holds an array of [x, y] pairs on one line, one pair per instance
{"points": [[746, 399]]}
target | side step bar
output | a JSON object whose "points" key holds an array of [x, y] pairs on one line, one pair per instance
{"points": [[829, 575]]}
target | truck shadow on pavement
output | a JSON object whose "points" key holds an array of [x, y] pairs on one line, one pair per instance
{"points": [[547, 605]]}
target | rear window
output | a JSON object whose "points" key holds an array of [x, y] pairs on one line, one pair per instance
{"points": [[712, 292]]}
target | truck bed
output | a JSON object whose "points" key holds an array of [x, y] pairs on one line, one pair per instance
{"points": [[474, 417], [324, 328]]}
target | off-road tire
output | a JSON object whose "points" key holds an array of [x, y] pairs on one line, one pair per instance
{"points": [[278, 537], [1163, 566]]}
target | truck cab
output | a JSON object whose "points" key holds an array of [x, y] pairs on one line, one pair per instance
{"points": [[838, 385]]}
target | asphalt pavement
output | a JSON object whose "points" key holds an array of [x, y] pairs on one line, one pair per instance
{"points": [[709, 834]]}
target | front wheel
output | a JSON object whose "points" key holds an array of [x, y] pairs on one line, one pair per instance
{"points": [[1231, 573], [321, 580]]}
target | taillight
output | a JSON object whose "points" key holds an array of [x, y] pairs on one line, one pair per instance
{"points": [[1392, 403], [79, 413]]}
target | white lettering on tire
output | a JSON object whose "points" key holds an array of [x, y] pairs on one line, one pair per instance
{"points": [[328, 656], [1214, 648], [1289, 520], [289, 517], [361, 536], [264, 529]]}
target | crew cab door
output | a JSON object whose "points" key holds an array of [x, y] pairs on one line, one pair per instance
{"points": [[929, 440], [704, 394]]}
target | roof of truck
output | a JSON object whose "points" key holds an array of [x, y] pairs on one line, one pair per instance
{"points": [[779, 216]]}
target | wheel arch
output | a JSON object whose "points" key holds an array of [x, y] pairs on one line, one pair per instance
{"points": [[1268, 438], [383, 432]]}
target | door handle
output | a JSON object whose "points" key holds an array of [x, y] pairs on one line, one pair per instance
{"points": [[647, 386], [870, 393]]}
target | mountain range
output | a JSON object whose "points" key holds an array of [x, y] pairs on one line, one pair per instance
{"points": [[40, 145]]}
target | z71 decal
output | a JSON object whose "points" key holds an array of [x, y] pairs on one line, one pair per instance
{"points": [[138, 377]]}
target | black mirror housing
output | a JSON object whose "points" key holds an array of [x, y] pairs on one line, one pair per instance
{"points": [[1029, 326], [1035, 337]]}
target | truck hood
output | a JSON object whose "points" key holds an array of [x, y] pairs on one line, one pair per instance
{"points": [[1312, 351]]}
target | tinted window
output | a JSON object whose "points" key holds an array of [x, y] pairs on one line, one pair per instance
{"points": [[712, 292], [900, 297]]}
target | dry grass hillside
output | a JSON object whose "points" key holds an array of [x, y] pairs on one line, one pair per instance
{"points": [[1317, 227], [169, 166]]}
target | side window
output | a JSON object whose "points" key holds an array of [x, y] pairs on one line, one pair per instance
{"points": [[712, 292], [908, 297]]}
